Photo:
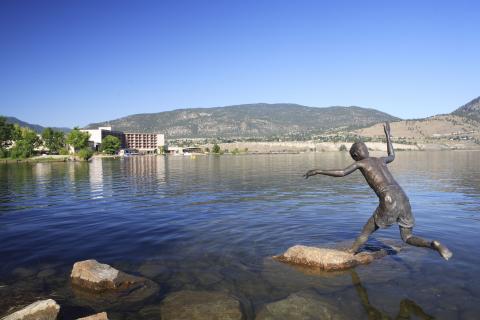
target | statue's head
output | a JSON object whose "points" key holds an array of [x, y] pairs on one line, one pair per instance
{"points": [[359, 151]]}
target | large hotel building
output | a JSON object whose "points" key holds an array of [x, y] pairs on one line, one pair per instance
{"points": [[142, 142]]}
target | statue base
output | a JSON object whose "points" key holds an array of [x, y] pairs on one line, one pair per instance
{"points": [[327, 259]]}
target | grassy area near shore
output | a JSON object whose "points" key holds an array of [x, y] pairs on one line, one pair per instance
{"points": [[54, 158], [50, 158]]}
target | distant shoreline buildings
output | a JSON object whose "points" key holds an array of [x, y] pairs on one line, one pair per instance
{"points": [[144, 143]]}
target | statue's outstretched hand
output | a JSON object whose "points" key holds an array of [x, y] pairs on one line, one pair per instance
{"points": [[310, 173], [386, 127]]}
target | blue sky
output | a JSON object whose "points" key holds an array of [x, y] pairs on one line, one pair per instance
{"points": [[67, 63]]}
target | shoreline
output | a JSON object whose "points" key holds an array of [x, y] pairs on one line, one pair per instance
{"points": [[311, 146], [258, 148]]}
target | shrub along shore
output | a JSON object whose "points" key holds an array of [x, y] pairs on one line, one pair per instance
{"points": [[23, 144]]}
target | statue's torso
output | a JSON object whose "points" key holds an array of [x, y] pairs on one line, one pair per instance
{"points": [[378, 176]]}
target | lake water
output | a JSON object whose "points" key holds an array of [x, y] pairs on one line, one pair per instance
{"points": [[211, 223]]}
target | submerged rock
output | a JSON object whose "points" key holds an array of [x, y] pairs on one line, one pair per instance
{"points": [[40, 310], [99, 285], [327, 259], [302, 305], [23, 272], [200, 305], [98, 316], [46, 273], [285, 279], [154, 269]]}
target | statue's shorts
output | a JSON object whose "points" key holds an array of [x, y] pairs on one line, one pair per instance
{"points": [[394, 208]]}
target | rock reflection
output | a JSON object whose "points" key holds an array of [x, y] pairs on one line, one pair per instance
{"points": [[407, 306]]}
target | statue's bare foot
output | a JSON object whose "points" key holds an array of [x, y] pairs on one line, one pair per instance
{"points": [[351, 251], [442, 250]]}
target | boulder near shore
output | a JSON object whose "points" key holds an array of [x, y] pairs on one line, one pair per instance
{"points": [[99, 285], [94, 276], [327, 259], [40, 310]]}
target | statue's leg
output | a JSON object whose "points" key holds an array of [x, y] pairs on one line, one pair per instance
{"points": [[369, 228], [409, 238]]}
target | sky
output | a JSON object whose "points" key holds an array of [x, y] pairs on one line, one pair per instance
{"points": [[70, 63]]}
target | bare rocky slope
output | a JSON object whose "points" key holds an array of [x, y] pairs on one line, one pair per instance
{"points": [[460, 129], [470, 110], [436, 127]]}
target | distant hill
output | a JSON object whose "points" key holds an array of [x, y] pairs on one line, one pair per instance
{"points": [[463, 124], [35, 127], [248, 120], [436, 127], [470, 110]]}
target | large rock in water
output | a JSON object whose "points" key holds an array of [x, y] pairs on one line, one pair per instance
{"points": [[327, 259], [200, 305], [92, 275], [95, 276], [303, 305], [40, 310], [99, 285]]}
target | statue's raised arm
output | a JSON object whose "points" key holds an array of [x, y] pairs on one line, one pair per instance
{"points": [[391, 152]]}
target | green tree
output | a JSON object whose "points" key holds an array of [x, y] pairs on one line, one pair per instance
{"points": [[17, 132], [85, 153], [6, 136], [78, 139], [216, 148], [53, 140], [111, 144], [25, 144]]}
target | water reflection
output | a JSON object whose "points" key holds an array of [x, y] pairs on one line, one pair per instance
{"points": [[147, 166], [407, 307], [96, 178]]}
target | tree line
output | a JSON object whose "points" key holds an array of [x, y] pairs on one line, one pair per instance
{"points": [[21, 142]]}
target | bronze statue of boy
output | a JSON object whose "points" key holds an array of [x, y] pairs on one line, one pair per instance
{"points": [[394, 205]]}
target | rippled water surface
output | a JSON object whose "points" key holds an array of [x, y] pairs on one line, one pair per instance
{"points": [[211, 223]]}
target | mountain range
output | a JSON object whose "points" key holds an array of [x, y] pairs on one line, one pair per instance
{"points": [[248, 120], [470, 110], [262, 120], [282, 119], [35, 127]]}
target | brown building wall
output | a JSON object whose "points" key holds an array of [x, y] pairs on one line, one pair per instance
{"points": [[141, 140]]}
